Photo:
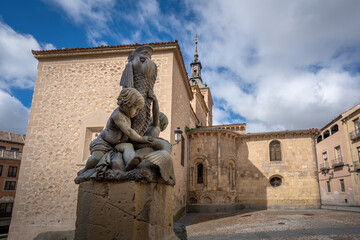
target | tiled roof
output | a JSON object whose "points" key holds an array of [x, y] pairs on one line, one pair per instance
{"points": [[12, 137], [124, 46]]}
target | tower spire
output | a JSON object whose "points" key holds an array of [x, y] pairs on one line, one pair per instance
{"points": [[196, 55], [195, 78]]}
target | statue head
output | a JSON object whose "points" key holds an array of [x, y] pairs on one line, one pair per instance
{"points": [[139, 61], [142, 51], [163, 121], [130, 101]]}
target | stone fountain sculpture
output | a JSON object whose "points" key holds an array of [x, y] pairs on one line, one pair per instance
{"points": [[126, 186]]}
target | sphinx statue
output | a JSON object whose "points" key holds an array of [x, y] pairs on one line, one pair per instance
{"points": [[129, 147]]}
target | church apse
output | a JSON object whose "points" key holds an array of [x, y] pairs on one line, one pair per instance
{"points": [[231, 171], [219, 176]]}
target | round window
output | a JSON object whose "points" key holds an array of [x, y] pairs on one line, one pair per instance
{"points": [[275, 181]]}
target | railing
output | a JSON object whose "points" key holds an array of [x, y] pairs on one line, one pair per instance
{"points": [[355, 134], [324, 166], [10, 154], [337, 162]]}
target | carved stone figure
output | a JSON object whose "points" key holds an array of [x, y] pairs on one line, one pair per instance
{"points": [[115, 136], [140, 73], [129, 148]]}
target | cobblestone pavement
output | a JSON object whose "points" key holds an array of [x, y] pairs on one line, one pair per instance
{"points": [[274, 224]]}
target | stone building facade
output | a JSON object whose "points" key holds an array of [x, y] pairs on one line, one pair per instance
{"points": [[11, 146], [216, 167], [338, 154], [232, 170], [75, 92]]}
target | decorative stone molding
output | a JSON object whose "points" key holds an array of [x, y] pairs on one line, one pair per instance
{"points": [[90, 125]]}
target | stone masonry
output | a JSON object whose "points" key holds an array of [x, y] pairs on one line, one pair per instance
{"points": [[72, 85], [237, 169]]}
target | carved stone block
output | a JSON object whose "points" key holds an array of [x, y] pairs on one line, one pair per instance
{"points": [[127, 210]]}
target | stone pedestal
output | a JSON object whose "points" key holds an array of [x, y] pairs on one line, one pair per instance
{"points": [[127, 210]]}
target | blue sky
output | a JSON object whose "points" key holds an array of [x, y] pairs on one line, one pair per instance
{"points": [[275, 65]]}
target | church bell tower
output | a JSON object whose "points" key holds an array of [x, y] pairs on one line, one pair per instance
{"points": [[195, 78]]}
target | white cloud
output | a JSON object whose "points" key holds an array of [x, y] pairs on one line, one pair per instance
{"points": [[17, 70], [81, 11], [95, 15], [220, 116], [17, 64], [13, 114], [281, 64]]}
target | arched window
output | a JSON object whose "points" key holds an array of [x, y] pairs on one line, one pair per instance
{"points": [[334, 129], [232, 176], [275, 151], [200, 173], [319, 139], [326, 134]]}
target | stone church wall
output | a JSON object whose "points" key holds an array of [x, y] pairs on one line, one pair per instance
{"points": [[180, 117], [297, 169], [237, 170]]}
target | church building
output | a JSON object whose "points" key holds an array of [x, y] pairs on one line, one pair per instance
{"points": [[217, 168]]}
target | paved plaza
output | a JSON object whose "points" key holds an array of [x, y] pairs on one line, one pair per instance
{"points": [[274, 224]]}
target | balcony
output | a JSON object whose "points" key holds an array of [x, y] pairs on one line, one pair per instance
{"points": [[8, 154], [337, 162], [324, 166], [355, 135]]}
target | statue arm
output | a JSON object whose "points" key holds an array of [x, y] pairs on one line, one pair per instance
{"points": [[123, 125], [156, 113]]}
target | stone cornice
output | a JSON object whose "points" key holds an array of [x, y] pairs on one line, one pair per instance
{"points": [[308, 132], [351, 115], [230, 127], [98, 50], [330, 123], [9, 137]]}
